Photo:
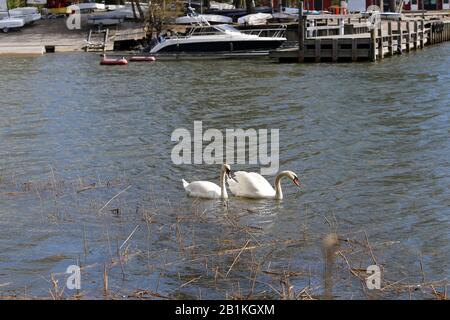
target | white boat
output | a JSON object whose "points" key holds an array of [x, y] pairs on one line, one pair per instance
{"points": [[28, 14], [285, 17], [108, 19], [289, 10], [11, 23], [211, 18], [220, 5], [255, 19], [88, 6], [127, 9], [225, 39]]}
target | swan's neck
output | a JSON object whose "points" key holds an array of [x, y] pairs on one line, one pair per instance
{"points": [[278, 191], [223, 188]]}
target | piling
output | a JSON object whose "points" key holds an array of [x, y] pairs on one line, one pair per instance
{"points": [[323, 39]]}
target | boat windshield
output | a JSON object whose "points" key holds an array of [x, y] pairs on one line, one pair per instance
{"points": [[226, 28]]}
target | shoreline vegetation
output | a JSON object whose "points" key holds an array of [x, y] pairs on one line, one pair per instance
{"points": [[221, 252]]}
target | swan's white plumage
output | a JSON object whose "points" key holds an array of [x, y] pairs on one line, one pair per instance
{"points": [[202, 189], [206, 189], [250, 185]]}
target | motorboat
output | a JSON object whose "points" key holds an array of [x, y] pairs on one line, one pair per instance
{"points": [[284, 17], [238, 12], [213, 5], [11, 23], [211, 18], [255, 19], [205, 38], [127, 9], [28, 14], [107, 19], [88, 6], [192, 18], [289, 10]]}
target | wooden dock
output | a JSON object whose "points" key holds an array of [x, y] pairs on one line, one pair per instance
{"points": [[52, 35], [350, 38]]}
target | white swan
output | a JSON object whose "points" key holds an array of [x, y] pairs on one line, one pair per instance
{"points": [[254, 185], [206, 189]]}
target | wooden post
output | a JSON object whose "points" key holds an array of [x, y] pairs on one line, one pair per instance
{"points": [[317, 48], [390, 39], [400, 37], [380, 43], [408, 37], [301, 33], [334, 50], [373, 44], [416, 35], [422, 33], [354, 50]]}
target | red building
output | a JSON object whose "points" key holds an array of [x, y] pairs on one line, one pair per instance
{"points": [[360, 5]]}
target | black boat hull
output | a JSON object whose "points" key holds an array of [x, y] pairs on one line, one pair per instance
{"points": [[221, 46]]}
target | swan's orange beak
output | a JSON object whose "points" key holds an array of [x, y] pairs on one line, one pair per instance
{"points": [[296, 182]]}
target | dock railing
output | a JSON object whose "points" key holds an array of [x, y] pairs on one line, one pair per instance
{"points": [[320, 37]]}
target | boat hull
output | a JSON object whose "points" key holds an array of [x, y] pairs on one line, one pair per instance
{"points": [[211, 56], [221, 46]]}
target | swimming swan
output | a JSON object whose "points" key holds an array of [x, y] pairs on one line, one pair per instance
{"points": [[253, 185], [209, 190]]}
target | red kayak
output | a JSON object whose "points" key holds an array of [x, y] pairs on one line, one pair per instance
{"points": [[142, 59], [109, 61]]}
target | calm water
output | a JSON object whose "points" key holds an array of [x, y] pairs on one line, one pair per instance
{"points": [[370, 142]]}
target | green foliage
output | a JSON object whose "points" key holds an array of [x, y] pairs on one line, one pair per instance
{"points": [[16, 3]]}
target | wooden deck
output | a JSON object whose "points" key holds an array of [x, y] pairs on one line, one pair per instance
{"points": [[391, 37], [54, 36]]}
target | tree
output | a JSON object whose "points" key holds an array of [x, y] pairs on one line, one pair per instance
{"points": [[250, 6], [392, 5], [136, 4], [155, 18]]}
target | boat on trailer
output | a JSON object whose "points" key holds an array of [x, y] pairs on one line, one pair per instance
{"points": [[11, 23], [28, 14]]}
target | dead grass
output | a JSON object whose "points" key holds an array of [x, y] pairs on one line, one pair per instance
{"points": [[209, 250]]}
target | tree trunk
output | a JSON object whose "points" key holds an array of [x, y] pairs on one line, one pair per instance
{"points": [[141, 12], [249, 6], [392, 5], [133, 7], [237, 3], [206, 4]]}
